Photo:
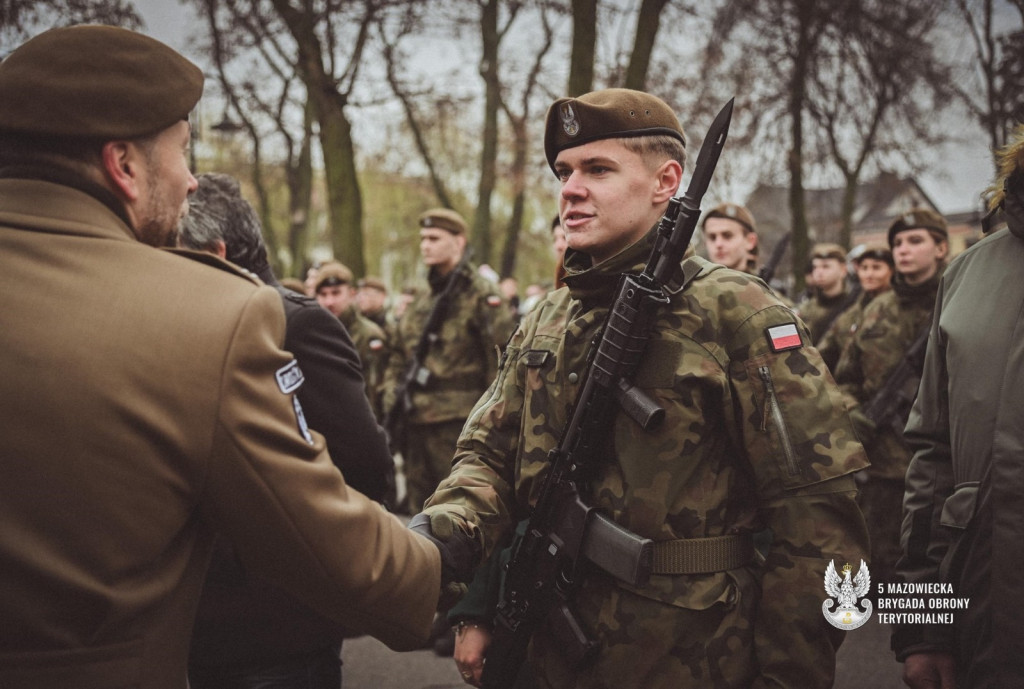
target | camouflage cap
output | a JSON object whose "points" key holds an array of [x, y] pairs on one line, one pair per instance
{"points": [[444, 219], [606, 114], [877, 251], [373, 282], [732, 211], [829, 251], [919, 218], [334, 274], [95, 81]]}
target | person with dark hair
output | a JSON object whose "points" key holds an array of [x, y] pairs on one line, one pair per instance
{"points": [[963, 517], [156, 408], [829, 295], [246, 628]]}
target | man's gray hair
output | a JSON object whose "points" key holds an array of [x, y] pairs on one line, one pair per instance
{"points": [[217, 212]]}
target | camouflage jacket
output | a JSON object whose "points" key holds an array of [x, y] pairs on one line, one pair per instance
{"points": [[888, 328], [840, 333], [818, 312], [462, 360], [753, 439], [372, 344]]}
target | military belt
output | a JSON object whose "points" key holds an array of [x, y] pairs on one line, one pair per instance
{"points": [[702, 555]]}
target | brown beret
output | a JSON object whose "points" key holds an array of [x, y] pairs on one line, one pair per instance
{"points": [[732, 211], [829, 251], [95, 81], [877, 251], [373, 282], [333, 274], [918, 218], [607, 114], [444, 219]]}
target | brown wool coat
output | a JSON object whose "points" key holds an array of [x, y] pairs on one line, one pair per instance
{"points": [[140, 411]]}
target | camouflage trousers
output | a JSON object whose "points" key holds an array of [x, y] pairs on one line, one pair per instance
{"points": [[428, 458], [649, 644]]}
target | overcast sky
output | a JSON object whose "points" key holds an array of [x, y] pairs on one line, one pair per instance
{"points": [[960, 174]]}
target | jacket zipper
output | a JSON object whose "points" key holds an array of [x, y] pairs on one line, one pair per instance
{"points": [[776, 413]]}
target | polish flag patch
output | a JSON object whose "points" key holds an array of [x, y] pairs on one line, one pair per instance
{"points": [[783, 337]]}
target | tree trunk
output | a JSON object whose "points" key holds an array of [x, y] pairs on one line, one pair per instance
{"points": [[584, 38], [480, 236], [300, 187], [797, 96], [643, 45]]}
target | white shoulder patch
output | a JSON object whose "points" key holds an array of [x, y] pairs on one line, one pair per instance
{"points": [[289, 378]]}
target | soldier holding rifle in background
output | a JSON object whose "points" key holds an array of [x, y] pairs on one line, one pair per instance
{"points": [[444, 354], [754, 436]]}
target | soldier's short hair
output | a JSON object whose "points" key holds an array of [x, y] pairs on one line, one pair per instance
{"points": [[218, 212]]}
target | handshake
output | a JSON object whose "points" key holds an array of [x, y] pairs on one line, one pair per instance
{"points": [[460, 552]]}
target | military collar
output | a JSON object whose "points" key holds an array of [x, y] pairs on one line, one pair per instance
{"points": [[69, 178], [925, 291]]}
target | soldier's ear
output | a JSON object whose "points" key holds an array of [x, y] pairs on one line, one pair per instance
{"points": [[668, 176]]}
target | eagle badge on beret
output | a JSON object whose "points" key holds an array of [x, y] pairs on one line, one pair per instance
{"points": [[570, 123]]}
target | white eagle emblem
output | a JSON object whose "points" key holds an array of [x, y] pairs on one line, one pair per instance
{"points": [[846, 592], [570, 123]]}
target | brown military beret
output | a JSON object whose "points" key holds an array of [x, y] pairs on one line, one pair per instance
{"points": [[98, 82], [373, 282], [732, 211], [877, 251], [333, 274], [607, 114], [444, 219], [829, 251], [918, 218]]}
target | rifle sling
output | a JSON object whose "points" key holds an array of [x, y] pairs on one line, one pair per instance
{"points": [[702, 555]]}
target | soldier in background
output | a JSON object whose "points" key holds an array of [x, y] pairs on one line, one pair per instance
{"points": [[891, 324], [461, 356], [731, 236], [830, 296], [372, 299], [723, 465], [335, 292], [246, 628], [874, 274]]}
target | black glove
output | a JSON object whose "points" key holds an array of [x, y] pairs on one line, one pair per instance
{"points": [[460, 552]]}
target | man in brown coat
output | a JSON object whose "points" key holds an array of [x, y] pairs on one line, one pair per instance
{"points": [[156, 405]]}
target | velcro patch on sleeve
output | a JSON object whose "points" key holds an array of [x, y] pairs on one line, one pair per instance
{"points": [[784, 337], [289, 377]]}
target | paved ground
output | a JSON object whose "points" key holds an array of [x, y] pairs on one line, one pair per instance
{"points": [[864, 662]]}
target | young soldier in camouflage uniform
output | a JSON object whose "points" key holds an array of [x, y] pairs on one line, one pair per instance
{"points": [[890, 325], [731, 235], [462, 359], [755, 438], [874, 273], [829, 297], [336, 293]]}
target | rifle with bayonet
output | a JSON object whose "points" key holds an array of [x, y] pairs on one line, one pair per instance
{"points": [[891, 405], [416, 374], [564, 536]]}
